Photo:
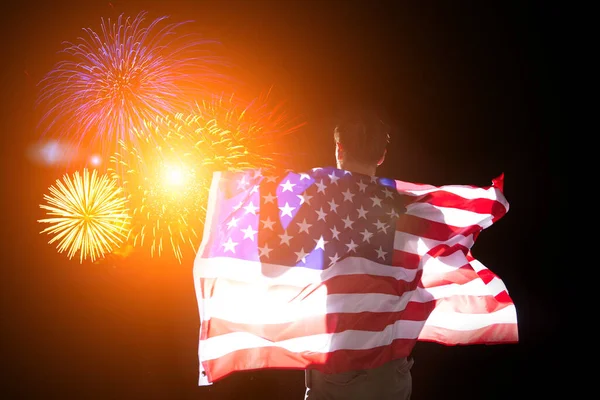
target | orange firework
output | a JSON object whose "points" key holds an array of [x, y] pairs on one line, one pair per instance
{"points": [[167, 181]]}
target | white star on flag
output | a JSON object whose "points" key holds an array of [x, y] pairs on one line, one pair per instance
{"points": [[285, 238], [333, 206], [233, 222], [321, 187], [301, 255], [347, 222], [230, 245], [333, 260], [286, 210], [288, 186], [249, 233], [269, 198], [304, 198], [264, 251], [251, 208], [362, 186], [322, 214], [376, 201], [380, 225], [242, 183], [366, 236], [352, 246], [267, 223], [380, 253], [335, 233], [333, 178], [320, 243], [348, 195], [362, 213], [303, 226]]}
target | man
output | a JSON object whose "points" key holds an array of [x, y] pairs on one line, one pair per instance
{"points": [[340, 272], [360, 147]]}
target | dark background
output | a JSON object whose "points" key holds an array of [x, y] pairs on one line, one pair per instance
{"points": [[470, 90]]}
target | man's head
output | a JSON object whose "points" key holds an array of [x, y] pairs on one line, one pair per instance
{"points": [[361, 142]]}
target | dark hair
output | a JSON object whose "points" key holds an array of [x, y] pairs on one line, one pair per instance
{"points": [[364, 136]]}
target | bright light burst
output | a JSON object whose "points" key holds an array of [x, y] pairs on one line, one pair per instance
{"points": [[87, 213], [166, 191], [113, 80], [167, 184]]}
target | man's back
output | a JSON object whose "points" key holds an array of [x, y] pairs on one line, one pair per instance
{"points": [[361, 143]]}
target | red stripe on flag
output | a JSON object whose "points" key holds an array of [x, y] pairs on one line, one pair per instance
{"points": [[362, 283], [465, 304], [405, 259], [504, 297], [459, 276], [329, 323], [493, 334], [486, 275], [445, 199], [428, 229], [443, 250]]}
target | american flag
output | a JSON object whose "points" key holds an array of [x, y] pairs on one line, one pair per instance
{"points": [[339, 271]]}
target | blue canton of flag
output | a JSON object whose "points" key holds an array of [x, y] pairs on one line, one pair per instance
{"points": [[313, 219]]}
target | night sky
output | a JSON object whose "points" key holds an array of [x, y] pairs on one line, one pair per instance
{"points": [[469, 90]]}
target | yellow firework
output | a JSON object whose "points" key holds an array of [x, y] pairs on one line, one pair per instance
{"points": [[87, 213], [167, 181]]}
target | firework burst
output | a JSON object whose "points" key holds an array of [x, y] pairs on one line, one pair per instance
{"points": [[168, 183], [129, 72], [253, 128], [87, 213]]}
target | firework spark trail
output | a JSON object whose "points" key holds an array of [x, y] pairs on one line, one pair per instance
{"points": [[256, 126], [87, 214], [111, 82], [221, 134]]}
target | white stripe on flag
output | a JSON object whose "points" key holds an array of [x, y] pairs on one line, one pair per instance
{"points": [[449, 216], [418, 245], [468, 322], [474, 288], [444, 264], [464, 191], [253, 307]]}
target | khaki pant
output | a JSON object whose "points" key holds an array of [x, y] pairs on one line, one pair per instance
{"points": [[391, 381]]}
